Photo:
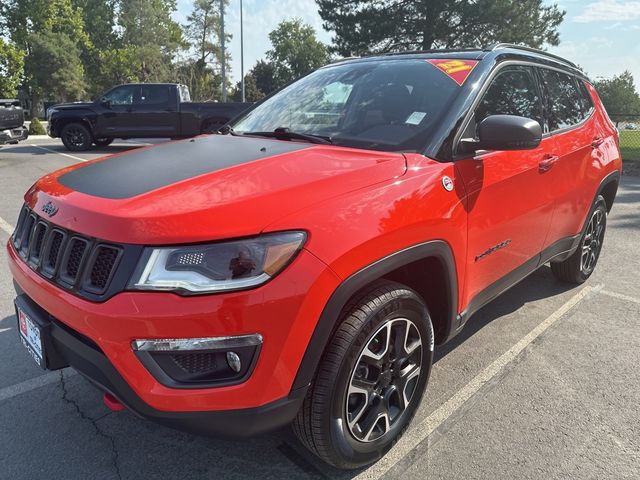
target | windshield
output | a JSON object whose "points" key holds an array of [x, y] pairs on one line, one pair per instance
{"points": [[389, 105]]}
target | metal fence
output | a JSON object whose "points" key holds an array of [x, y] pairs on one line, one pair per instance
{"points": [[629, 127]]}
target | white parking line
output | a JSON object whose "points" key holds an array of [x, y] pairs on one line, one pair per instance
{"points": [[59, 153], [6, 226], [33, 384], [437, 418], [620, 296]]}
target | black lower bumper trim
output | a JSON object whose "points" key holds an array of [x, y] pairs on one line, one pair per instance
{"points": [[85, 357]]}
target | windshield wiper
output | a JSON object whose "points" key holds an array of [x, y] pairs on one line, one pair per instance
{"points": [[227, 130], [284, 133]]}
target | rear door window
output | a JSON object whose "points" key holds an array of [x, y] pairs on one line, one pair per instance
{"points": [[155, 95], [566, 105]]}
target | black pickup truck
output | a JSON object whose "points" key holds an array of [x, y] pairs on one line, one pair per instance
{"points": [[12, 128], [160, 110]]}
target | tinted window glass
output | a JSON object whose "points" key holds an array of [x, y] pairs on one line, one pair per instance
{"points": [[154, 95], [512, 92], [586, 102], [384, 105], [564, 101], [122, 95]]}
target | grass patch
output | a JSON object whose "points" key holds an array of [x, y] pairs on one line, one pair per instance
{"points": [[630, 145]]}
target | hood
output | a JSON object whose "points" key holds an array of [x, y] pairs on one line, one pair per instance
{"points": [[207, 188], [71, 106]]}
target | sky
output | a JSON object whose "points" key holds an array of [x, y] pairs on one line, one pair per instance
{"points": [[602, 36]]}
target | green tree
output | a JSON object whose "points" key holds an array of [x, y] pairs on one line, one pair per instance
{"points": [[31, 22], [264, 74], [99, 19], [295, 51], [11, 69], [203, 31], [251, 91], [55, 67], [619, 96], [372, 26], [152, 36]]}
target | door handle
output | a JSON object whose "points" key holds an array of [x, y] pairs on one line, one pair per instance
{"points": [[597, 141], [548, 162]]}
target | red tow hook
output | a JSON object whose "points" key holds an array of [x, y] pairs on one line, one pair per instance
{"points": [[112, 403]]}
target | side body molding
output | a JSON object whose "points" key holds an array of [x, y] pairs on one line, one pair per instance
{"points": [[330, 317]]}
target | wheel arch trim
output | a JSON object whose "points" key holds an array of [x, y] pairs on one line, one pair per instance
{"points": [[330, 317]]}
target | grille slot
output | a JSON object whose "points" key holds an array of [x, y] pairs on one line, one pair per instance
{"points": [[101, 268], [74, 262], [74, 255], [37, 242], [19, 231], [26, 234]]}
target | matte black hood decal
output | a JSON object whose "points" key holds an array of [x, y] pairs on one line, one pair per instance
{"points": [[142, 171]]}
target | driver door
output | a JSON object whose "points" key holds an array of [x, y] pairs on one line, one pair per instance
{"points": [[118, 120], [509, 201]]}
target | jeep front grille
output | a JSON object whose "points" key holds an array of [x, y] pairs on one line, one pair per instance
{"points": [[84, 265]]}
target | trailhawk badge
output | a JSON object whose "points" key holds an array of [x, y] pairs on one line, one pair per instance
{"points": [[447, 183]]}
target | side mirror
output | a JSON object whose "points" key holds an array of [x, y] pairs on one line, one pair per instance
{"points": [[105, 102], [506, 132]]}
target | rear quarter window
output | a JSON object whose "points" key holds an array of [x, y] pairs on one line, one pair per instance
{"points": [[566, 103]]}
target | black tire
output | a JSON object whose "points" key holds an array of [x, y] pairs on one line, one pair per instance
{"points": [[102, 142], [336, 421], [581, 264], [76, 137]]}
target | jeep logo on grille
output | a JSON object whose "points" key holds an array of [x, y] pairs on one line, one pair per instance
{"points": [[50, 209]]}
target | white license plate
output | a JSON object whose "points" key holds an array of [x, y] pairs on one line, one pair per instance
{"points": [[30, 337]]}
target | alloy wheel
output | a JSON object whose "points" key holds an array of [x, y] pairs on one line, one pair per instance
{"points": [[75, 137], [592, 242], [384, 380]]}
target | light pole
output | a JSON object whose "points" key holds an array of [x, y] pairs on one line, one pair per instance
{"points": [[224, 60], [242, 52]]}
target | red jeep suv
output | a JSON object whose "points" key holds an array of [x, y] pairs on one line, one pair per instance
{"points": [[299, 266]]}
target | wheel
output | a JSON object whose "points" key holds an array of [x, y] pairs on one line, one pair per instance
{"points": [[76, 137], [102, 142], [370, 379], [580, 265]]}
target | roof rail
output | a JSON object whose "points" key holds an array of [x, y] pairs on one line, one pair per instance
{"points": [[499, 45], [431, 50]]}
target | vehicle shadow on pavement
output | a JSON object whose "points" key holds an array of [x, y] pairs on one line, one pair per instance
{"points": [[537, 286]]}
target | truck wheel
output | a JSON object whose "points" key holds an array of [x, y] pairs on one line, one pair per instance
{"points": [[370, 379], [102, 142], [580, 265], [76, 137]]}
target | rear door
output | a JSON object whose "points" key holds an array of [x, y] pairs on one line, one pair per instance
{"points": [[156, 111], [569, 113], [509, 202]]}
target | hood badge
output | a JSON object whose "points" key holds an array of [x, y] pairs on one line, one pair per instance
{"points": [[447, 183], [50, 209]]}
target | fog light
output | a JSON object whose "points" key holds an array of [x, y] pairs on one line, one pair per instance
{"points": [[234, 361]]}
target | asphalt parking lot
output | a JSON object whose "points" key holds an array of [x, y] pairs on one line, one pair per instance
{"points": [[543, 383]]}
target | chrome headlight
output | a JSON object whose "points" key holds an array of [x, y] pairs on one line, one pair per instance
{"points": [[216, 267]]}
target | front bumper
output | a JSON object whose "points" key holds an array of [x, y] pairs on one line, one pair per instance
{"points": [[14, 135], [284, 312], [69, 348]]}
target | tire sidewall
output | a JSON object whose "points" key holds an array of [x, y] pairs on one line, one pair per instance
{"points": [[360, 453]]}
